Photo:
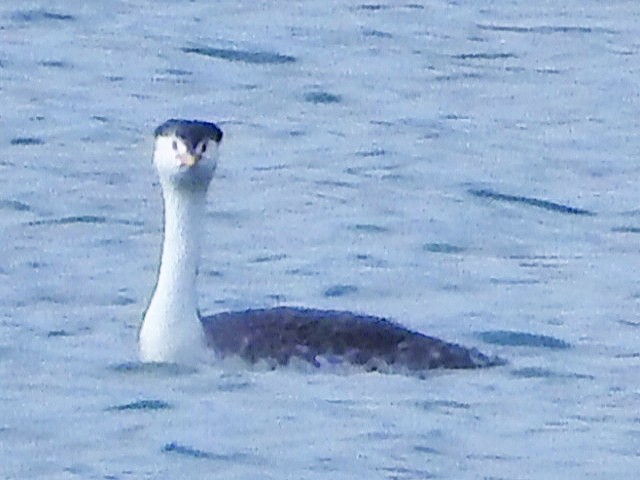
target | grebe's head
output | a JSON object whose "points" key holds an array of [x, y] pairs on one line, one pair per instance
{"points": [[186, 153]]}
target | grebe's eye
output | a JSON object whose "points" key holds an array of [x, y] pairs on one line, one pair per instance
{"points": [[174, 145], [204, 147]]}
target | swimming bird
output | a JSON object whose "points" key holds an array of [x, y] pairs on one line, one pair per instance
{"points": [[185, 157]]}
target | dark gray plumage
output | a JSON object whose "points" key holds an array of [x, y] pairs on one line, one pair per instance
{"points": [[281, 334]]}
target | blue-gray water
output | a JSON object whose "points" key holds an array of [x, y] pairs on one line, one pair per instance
{"points": [[468, 168]]}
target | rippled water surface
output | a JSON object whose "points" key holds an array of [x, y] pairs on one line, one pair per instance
{"points": [[467, 168]]}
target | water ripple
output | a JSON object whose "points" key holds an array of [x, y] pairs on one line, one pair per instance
{"points": [[442, 404], [626, 229], [442, 248], [14, 205], [188, 451], [162, 369], [368, 228], [538, 372], [55, 64], [531, 201], [90, 219], [141, 405], [521, 339], [58, 333], [340, 291], [244, 56], [69, 220], [545, 29], [321, 97], [27, 141], [39, 16], [484, 56]]}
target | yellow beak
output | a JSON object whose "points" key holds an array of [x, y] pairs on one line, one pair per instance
{"points": [[189, 159]]}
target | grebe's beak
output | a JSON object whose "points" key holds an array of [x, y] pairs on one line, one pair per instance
{"points": [[189, 159]]}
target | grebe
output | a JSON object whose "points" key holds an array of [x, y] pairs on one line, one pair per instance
{"points": [[185, 156]]}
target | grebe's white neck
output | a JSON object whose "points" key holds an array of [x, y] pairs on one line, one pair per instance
{"points": [[185, 157], [171, 330]]}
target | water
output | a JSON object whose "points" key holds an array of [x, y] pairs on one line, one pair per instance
{"points": [[470, 170]]}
